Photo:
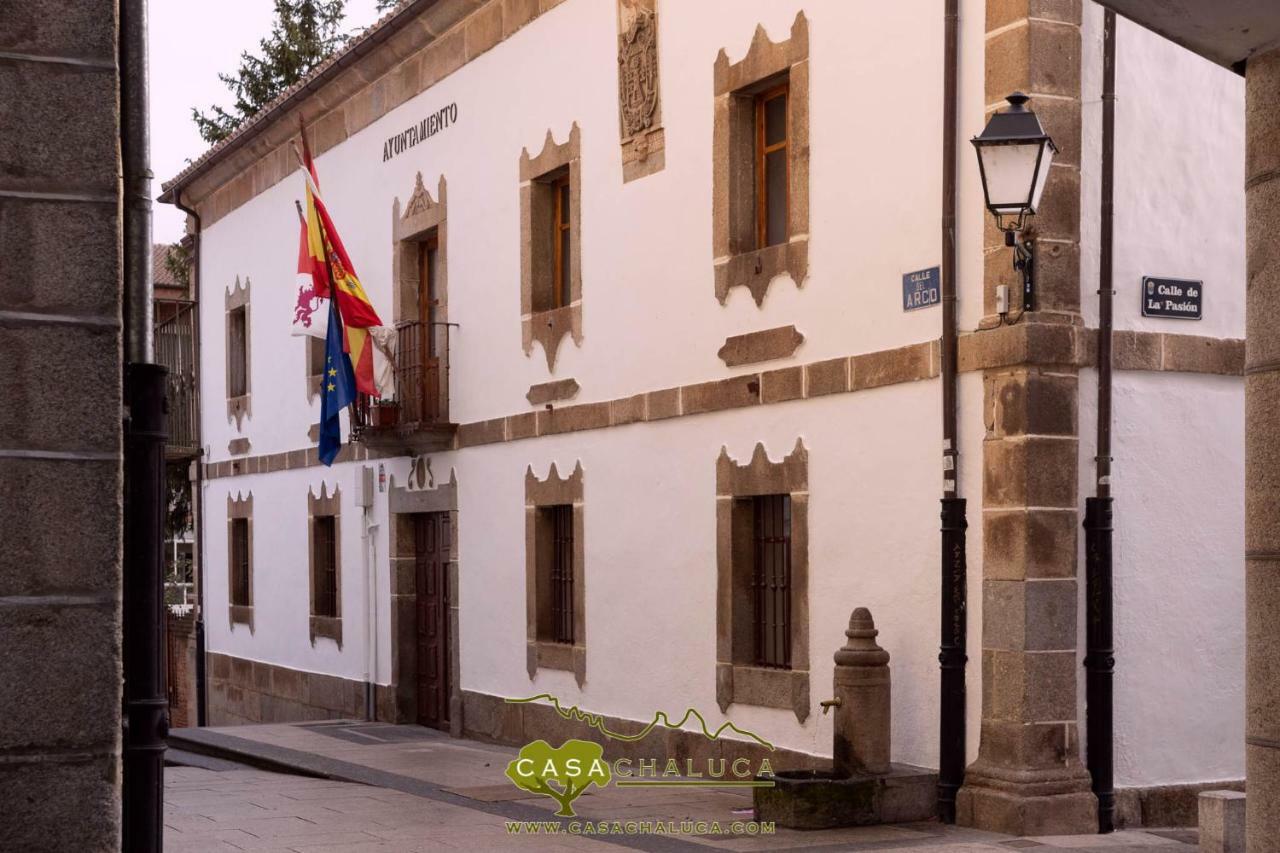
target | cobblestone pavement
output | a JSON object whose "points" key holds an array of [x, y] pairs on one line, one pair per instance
{"points": [[400, 788]]}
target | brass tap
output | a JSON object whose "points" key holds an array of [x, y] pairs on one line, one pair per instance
{"points": [[828, 704]]}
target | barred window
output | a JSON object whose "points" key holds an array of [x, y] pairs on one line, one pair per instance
{"points": [[238, 352], [240, 595], [771, 580], [556, 553], [325, 565]]}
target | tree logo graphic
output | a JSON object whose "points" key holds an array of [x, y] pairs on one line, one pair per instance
{"points": [[563, 774]]}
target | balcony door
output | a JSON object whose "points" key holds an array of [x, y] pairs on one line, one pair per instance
{"points": [[420, 343]]}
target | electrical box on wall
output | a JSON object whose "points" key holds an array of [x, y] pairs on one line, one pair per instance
{"points": [[364, 488]]}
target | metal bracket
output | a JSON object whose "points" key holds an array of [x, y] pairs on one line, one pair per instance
{"points": [[1024, 260]]}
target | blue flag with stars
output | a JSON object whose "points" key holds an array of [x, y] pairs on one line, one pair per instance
{"points": [[337, 387]]}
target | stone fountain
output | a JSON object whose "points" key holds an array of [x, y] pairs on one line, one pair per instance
{"points": [[863, 786]]}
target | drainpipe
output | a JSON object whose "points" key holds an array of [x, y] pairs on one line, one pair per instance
{"points": [[952, 655], [1100, 659], [202, 696], [145, 707]]}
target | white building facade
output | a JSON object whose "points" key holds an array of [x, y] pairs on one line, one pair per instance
{"points": [[656, 465]]}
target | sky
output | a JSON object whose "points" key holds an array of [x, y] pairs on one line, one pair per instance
{"points": [[190, 43]]}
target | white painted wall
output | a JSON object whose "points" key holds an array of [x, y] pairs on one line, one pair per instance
{"points": [[281, 603], [651, 320], [1178, 474]]}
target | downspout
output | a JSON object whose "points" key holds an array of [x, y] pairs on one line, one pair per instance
{"points": [[952, 653], [1099, 659], [145, 707], [202, 696]]}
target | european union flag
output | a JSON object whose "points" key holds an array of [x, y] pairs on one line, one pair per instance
{"points": [[337, 387]]}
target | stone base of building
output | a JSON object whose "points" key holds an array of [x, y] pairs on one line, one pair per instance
{"points": [[1050, 801], [491, 718], [248, 691], [1165, 805]]}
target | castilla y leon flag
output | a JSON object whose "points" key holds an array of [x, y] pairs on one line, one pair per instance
{"points": [[334, 272], [311, 310]]}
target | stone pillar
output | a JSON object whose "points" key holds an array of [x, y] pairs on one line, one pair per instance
{"points": [[862, 688], [1262, 452], [60, 429], [1028, 778]]}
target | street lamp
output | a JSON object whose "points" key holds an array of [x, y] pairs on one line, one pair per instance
{"points": [[1014, 154]]}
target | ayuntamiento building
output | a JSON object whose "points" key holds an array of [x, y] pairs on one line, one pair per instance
{"points": [[665, 413]]}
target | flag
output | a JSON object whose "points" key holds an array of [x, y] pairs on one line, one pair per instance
{"points": [[336, 278], [337, 387], [310, 310]]}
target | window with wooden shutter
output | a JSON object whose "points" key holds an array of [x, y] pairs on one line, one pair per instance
{"points": [[772, 167]]}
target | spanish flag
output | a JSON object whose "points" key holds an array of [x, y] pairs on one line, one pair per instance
{"points": [[334, 274]]}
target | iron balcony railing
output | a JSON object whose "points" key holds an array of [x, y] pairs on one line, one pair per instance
{"points": [[421, 399], [175, 344]]}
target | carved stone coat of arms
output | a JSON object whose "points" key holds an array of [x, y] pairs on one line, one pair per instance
{"points": [[638, 73]]}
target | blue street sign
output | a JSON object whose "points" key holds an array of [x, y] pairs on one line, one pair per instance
{"points": [[921, 289]]}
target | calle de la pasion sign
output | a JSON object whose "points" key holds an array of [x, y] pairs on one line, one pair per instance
{"points": [[1172, 298]]}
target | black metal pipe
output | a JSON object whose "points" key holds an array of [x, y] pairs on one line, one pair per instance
{"points": [[952, 654], [145, 712], [202, 694], [952, 657], [1100, 659], [146, 707]]}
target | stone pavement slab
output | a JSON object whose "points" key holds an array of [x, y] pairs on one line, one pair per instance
{"points": [[386, 788]]}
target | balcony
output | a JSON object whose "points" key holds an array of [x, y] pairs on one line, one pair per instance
{"points": [[175, 344], [416, 419]]}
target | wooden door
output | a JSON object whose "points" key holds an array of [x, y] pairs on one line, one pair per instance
{"points": [[428, 389], [432, 546]]}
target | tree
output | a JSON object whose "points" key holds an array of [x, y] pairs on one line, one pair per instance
{"points": [[304, 34], [387, 5], [563, 774]]}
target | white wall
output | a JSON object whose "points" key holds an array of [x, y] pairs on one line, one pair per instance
{"points": [[281, 591], [1178, 470]]}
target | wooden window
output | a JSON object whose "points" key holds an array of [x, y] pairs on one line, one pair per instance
{"points": [[771, 580], [240, 585], [772, 166], [325, 565], [238, 352], [555, 528], [552, 241], [561, 242]]}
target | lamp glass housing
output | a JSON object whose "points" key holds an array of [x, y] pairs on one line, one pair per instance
{"points": [[1014, 155]]}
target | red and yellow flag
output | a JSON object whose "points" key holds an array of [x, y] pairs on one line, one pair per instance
{"points": [[333, 271]]}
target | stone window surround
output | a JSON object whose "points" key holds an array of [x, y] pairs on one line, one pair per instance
{"points": [[555, 491], [241, 506], [738, 263], [549, 327], [420, 494], [238, 297], [323, 505], [411, 226], [735, 681]]}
